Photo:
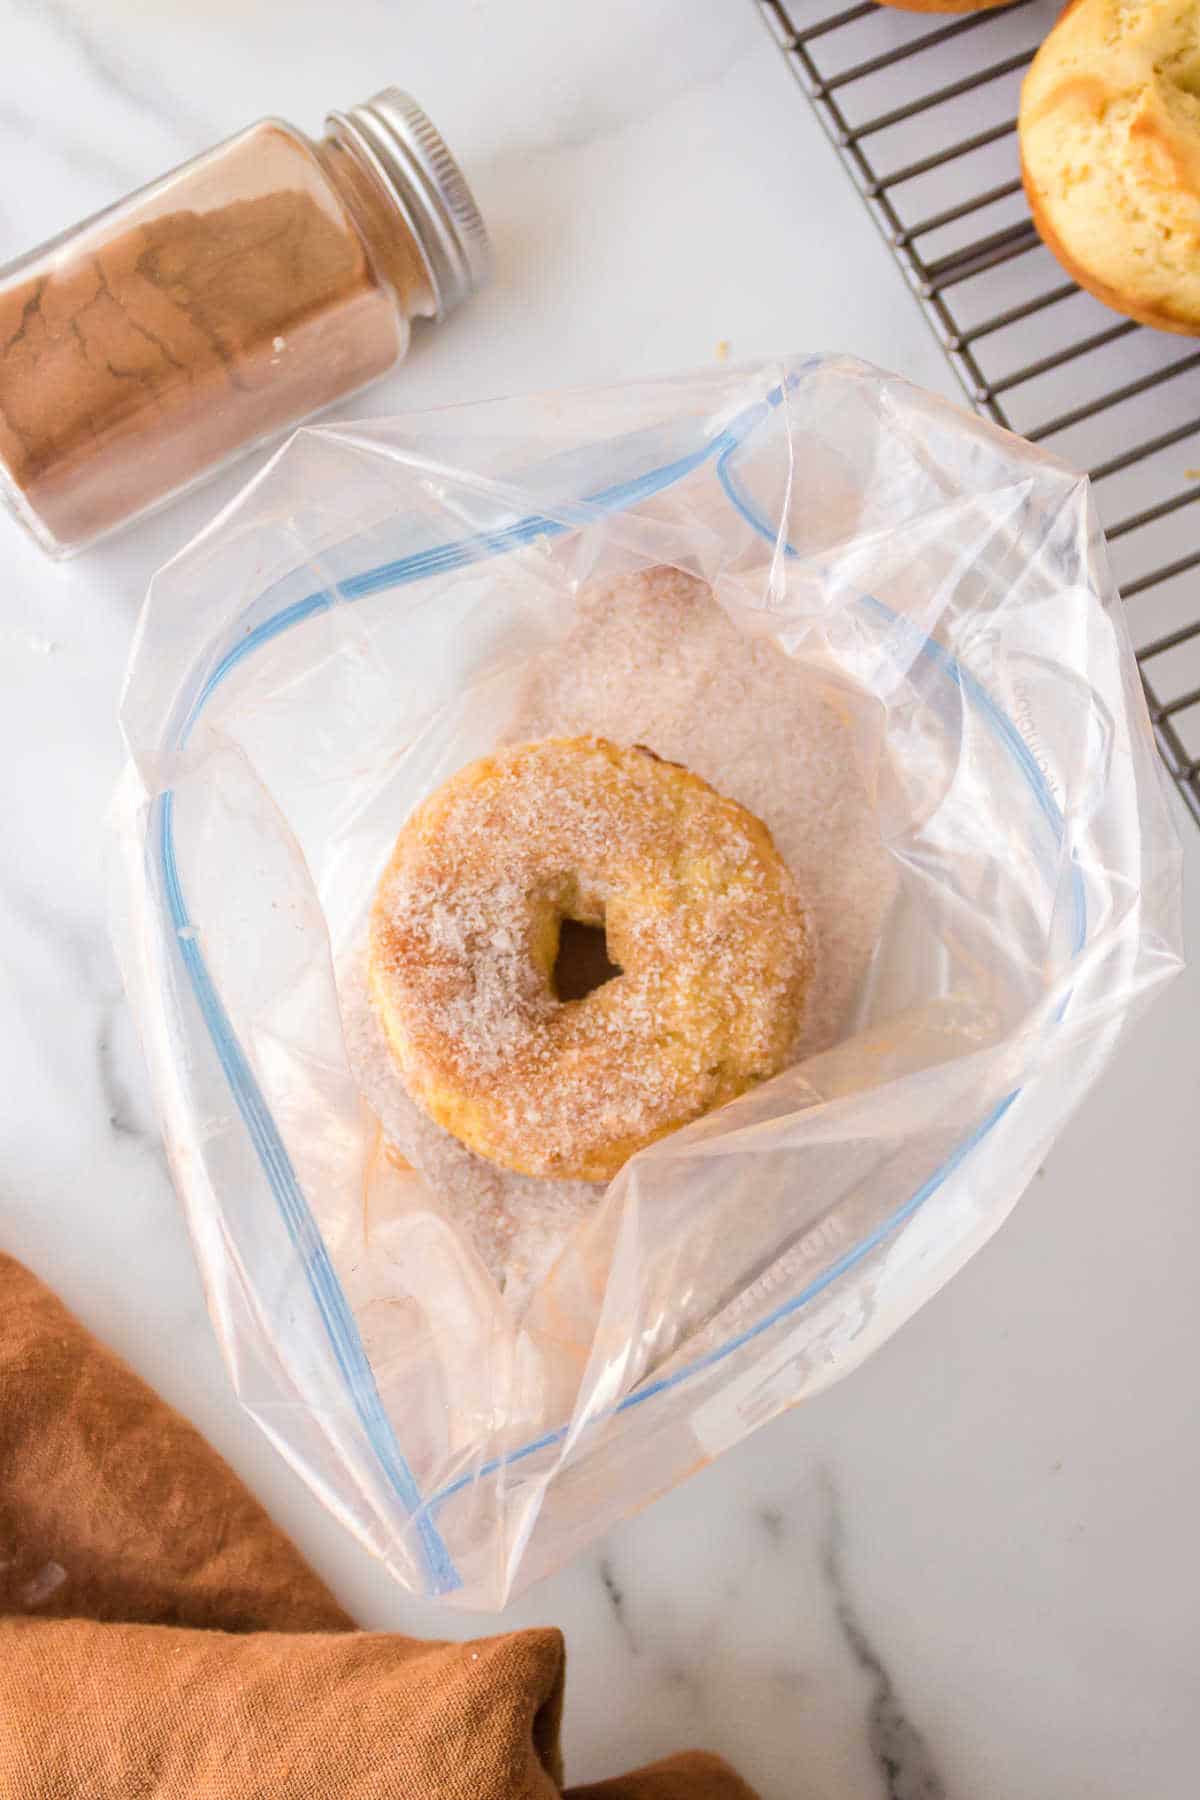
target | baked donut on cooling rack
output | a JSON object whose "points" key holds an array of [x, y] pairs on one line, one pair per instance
{"points": [[1110, 152], [706, 949]]}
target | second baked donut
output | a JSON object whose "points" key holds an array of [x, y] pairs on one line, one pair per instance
{"points": [[1110, 152], [701, 918]]}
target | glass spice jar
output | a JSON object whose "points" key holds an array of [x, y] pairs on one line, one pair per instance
{"points": [[146, 348]]}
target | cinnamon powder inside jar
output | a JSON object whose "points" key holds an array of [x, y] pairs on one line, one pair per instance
{"points": [[249, 290]]}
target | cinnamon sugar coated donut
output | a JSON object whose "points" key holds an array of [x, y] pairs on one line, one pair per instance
{"points": [[701, 918]]}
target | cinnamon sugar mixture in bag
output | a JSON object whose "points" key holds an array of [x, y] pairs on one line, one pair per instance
{"points": [[652, 659]]}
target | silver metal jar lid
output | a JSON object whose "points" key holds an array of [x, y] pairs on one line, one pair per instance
{"points": [[412, 159]]}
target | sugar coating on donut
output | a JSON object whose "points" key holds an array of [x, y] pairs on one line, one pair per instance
{"points": [[700, 913]]}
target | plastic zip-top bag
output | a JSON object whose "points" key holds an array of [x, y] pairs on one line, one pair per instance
{"points": [[888, 631]]}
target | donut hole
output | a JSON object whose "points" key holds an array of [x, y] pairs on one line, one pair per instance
{"points": [[582, 963]]}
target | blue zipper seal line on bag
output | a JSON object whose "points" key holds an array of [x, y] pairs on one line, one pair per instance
{"points": [[297, 1215], [337, 1317], [341, 1329]]}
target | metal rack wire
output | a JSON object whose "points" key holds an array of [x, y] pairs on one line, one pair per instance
{"points": [[922, 111]]}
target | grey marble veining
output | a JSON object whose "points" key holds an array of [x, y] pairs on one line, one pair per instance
{"points": [[615, 1595], [24, 123], [107, 57], [905, 1763]]}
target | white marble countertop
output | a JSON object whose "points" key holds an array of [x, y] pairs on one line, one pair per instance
{"points": [[970, 1570]]}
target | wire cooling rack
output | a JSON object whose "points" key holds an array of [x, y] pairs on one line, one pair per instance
{"points": [[922, 110]]}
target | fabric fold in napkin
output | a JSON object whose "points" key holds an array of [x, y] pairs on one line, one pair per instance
{"points": [[160, 1637]]}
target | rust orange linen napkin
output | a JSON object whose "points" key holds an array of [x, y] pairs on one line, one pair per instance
{"points": [[161, 1639]]}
